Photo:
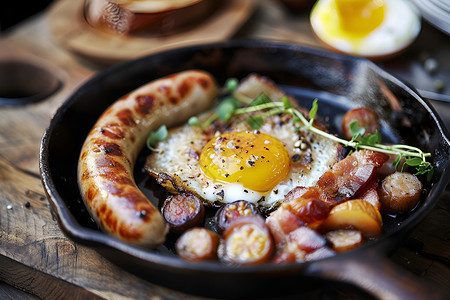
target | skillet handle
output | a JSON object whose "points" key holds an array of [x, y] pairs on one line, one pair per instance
{"points": [[376, 275]]}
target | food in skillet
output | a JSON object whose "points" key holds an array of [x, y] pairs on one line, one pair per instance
{"points": [[308, 202], [334, 209], [105, 167], [228, 161]]}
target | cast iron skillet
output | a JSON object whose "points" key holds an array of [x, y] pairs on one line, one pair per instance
{"points": [[340, 82]]}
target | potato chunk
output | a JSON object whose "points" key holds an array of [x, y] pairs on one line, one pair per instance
{"points": [[358, 214], [344, 239]]}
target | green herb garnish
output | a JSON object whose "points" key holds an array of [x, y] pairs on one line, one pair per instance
{"points": [[313, 111], [358, 135], [226, 108], [262, 107], [231, 84], [193, 121], [159, 135], [255, 122], [261, 99]]}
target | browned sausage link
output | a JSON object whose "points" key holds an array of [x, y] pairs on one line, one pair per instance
{"points": [[246, 241], [230, 211], [105, 169], [366, 118], [399, 192], [183, 211], [197, 244]]}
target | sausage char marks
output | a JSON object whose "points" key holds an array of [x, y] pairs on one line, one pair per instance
{"points": [[105, 169]]}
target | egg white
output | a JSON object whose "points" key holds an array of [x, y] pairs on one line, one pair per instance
{"points": [[176, 166], [400, 27]]}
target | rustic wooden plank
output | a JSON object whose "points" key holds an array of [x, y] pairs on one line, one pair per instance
{"points": [[40, 284], [426, 252], [38, 258], [8, 292], [31, 242]]}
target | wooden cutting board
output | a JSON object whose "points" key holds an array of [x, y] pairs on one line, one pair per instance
{"points": [[70, 29]]}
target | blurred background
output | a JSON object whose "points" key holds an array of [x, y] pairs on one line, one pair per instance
{"points": [[13, 12]]}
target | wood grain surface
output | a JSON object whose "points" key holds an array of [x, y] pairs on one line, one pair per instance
{"points": [[8, 292], [36, 257]]}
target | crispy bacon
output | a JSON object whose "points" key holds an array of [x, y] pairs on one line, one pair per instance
{"points": [[281, 222], [303, 206], [298, 245], [370, 194], [350, 175], [309, 206]]}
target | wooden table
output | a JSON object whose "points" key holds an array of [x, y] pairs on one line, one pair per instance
{"points": [[36, 257]]}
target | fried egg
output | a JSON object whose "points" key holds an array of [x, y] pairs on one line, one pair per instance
{"points": [[370, 28], [222, 164]]}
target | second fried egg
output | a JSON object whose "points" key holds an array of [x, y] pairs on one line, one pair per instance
{"points": [[370, 28]]}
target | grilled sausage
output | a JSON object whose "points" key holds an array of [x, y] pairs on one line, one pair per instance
{"points": [[399, 192], [105, 168], [246, 241], [366, 118], [183, 211], [230, 211], [198, 244]]}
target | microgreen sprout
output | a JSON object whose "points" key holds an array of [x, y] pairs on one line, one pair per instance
{"points": [[262, 107], [231, 84], [226, 108], [154, 137]]}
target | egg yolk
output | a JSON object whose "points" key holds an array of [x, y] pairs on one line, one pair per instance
{"points": [[360, 17], [258, 161]]}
